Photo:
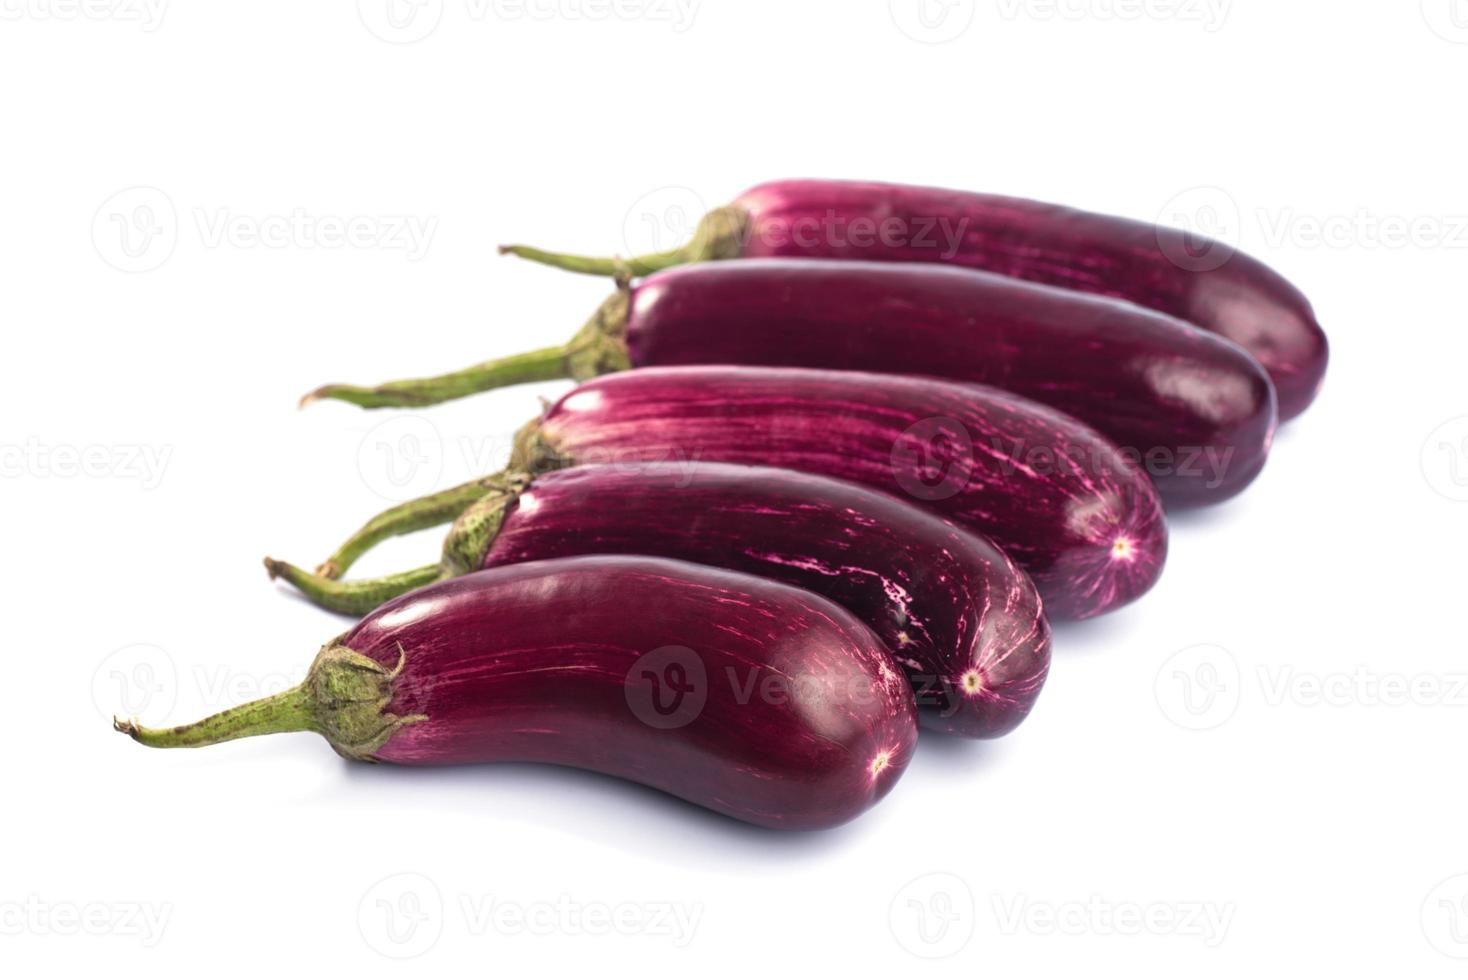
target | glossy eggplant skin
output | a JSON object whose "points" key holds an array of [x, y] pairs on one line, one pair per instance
{"points": [[1203, 282], [1196, 411], [964, 623], [752, 698], [1064, 503]]}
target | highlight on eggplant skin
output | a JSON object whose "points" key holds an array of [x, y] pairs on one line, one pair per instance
{"points": [[754, 699], [1196, 410], [964, 623], [1062, 501]]}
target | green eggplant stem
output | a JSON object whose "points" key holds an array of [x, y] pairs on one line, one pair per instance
{"points": [[546, 364], [357, 597], [288, 711], [599, 347], [611, 267], [344, 697], [414, 515], [721, 234]]}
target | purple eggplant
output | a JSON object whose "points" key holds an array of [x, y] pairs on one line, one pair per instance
{"points": [[752, 698], [1063, 502], [1069, 507], [1171, 271], [963, 622], [1195, 410]]}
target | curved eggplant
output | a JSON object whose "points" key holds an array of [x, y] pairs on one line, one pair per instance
{"points": [[962, 621], [755, 699], [1197, 412], [1187, 276], [1063, 502]]}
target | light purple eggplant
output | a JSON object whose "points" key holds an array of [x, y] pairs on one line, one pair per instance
{"points": [[963, 622], [1188, 276], [755, 699], [1061, 500], [1196, 411]]}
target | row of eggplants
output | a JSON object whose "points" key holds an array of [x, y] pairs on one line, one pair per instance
{"points": [[846, 472]]}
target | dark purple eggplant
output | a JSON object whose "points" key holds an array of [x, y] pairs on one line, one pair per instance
{"points": [[1197, 412], [1062, 501], [1154, 266], [752, 698], [963, 622]]}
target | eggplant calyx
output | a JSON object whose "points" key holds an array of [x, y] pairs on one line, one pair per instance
{"points": [[344, 698], [600, 347], [474, 530]]}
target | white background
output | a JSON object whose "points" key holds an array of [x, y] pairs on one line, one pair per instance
{"points": [[1315, 813]]}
